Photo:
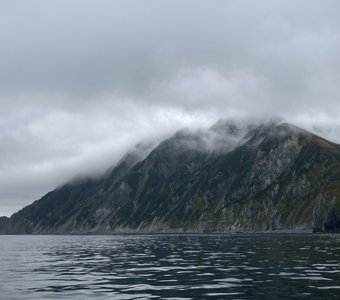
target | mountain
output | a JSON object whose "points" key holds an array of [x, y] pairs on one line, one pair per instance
{"points": [[230, 177]]}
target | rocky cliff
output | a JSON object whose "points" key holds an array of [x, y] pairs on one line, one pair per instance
{"points": [[230, 177]]}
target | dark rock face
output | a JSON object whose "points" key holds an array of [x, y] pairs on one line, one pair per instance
{"points": [[231, 177], [4, 225]]}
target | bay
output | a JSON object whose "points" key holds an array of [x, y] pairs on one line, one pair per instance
{"points": [[230, 266]]}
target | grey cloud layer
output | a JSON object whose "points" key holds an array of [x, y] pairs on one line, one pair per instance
{"points": [[80, 81]]}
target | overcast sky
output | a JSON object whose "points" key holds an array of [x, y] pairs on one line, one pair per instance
{"points": [[82, 81]]}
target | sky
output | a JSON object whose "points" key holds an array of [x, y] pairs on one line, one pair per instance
{"points": [[82, 81]]}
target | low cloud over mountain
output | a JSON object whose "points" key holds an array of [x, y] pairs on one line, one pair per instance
{"points": [[82, 81]]}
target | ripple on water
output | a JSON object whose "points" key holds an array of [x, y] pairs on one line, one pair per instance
{"points": [[170, 267]]}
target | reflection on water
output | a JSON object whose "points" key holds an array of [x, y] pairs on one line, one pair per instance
{"points": [[267, 266]]}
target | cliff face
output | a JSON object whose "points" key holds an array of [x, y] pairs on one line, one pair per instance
{"points": [[269, 176]]}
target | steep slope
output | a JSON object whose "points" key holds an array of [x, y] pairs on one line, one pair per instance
{"points": [[231, 177], [59, 210], [280, 178]]}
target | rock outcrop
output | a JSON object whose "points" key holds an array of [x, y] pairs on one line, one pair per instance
{"points": [[231, 177]]}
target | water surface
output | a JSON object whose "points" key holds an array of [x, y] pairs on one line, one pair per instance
{"points": [[260, 266]]}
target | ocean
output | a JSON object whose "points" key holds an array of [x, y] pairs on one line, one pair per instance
{"points": [[184, 266]]}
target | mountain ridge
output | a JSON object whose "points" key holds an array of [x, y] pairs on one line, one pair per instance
{"points": [[229, 177]]}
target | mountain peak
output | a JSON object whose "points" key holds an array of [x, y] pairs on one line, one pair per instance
{"points": [[237, 175]]}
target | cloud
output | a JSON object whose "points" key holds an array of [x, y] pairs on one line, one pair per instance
{"points": [[81, 81]]}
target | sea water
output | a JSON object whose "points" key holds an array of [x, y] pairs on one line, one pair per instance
{"points": [[240, 266]]}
